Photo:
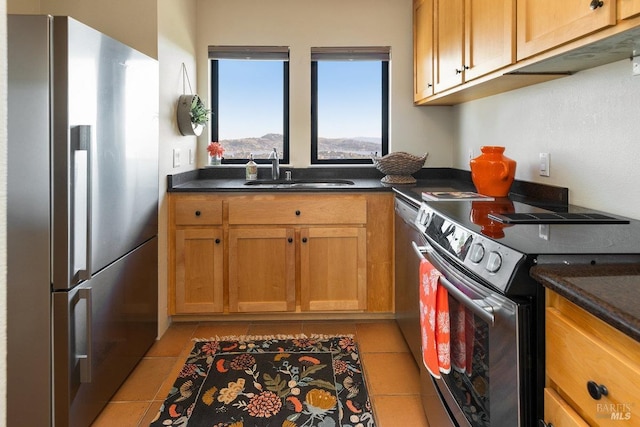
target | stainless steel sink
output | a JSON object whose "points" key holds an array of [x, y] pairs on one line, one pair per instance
{"points": [[300, 183]]}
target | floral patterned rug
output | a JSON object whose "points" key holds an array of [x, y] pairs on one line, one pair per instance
{"points": [[278, 381]]}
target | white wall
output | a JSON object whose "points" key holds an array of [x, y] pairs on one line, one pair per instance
{"points": [[302, 24], [588, 122], [176, 45]]}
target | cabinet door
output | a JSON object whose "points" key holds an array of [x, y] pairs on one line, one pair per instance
{"points": [[490, 38], [449, 41], [545, 24], [261, 269], [422, 49], [628, 8], [558, 413], [333, 264], [199, 270]]}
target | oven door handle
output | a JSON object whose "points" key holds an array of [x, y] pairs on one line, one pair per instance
{"points": [[480, 307]]}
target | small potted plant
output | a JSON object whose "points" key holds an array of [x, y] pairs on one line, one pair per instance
{"points": [[192, 115], [215, 150]]}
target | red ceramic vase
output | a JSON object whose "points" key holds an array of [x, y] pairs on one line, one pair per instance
{"points": [[491, 172]]}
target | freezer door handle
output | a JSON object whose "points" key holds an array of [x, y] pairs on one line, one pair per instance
{"points": [[81, 209], [85, 360]]}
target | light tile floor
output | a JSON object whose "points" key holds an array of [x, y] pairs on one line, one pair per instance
{"points": [[395, 398]]}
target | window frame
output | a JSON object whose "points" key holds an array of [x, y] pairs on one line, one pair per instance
{"points": [[338, 52], [241, 52]]}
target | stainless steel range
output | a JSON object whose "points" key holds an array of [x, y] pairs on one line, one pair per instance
{"points": [[484, 250]]}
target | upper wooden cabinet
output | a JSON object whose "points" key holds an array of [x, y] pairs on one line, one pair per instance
{"points": [[490, 36], [456, 41], [628, 8], [483, 48], [422, 49], [545, 24], [448, 60]]}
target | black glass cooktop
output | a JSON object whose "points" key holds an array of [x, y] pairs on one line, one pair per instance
{"points": [[556, 218], [577, 231]]}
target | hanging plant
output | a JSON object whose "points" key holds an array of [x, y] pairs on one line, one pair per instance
{"points": [[199, 113], [192, 114]]}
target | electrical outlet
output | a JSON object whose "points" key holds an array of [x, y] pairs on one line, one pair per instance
{"points": [[176, 157], [635, 63], [544, 164], [543, 231]]}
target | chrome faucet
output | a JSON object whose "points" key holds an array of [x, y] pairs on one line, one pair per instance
{"points": [[275, 164]]}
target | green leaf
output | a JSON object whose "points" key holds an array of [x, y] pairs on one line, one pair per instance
{"points": [[323, 384], [311, 369]]}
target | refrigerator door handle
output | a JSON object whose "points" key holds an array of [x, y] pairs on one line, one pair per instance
{"points": [[81, 239], [85, 360]]}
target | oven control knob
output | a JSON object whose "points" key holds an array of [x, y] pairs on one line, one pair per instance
{"points": [[494, 262], [476, 253]]}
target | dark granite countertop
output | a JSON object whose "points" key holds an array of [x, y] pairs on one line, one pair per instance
{"points": [[227, 179], [231, 179], [610, 292]]}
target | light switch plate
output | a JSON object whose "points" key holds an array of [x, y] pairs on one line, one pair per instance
{"points": [[544, 164], [176, 157]]}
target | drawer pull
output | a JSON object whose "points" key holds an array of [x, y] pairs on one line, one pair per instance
{"points": [[198, 213], [297, 213], [217, 241], [596, 4], [596, 390], [304, 240], [290, 240], [541, 423]]}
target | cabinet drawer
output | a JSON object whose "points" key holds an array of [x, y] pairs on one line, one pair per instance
{"points": [[197, 211], [350, 209], [558, 413], [577, 354]]}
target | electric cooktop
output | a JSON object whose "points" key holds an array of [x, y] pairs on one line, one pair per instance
{"points": [[536, 231]]}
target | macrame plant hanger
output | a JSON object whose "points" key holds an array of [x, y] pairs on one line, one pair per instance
{"points": [[185, 79]]}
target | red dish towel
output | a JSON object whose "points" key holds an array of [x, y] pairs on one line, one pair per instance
{"points": [[434, 321], [462, 329]]}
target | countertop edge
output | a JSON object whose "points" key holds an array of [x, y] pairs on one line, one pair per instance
{"points": [[558, 277]]}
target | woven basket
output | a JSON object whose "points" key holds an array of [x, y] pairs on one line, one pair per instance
{"points": [[399, 166]]}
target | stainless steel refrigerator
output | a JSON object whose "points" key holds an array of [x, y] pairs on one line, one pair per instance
{"points": [[82, 218]]}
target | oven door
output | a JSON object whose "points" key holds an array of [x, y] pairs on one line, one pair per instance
{"points": [[487, 384]]}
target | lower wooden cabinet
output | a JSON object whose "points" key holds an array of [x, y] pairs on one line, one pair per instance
{"points": [[199, 270], [333, 267], [285, 253], [592, 369], [261, 269]]}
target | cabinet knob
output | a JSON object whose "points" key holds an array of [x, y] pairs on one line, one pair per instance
{"points": [[429, 85], [541, 423], [290, 240], [596, 390], [596, 4], [198, 213], [297, 213], [458, 71], [304, 240]]}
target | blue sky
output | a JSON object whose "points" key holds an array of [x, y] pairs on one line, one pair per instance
{"points": [[349, 101]]}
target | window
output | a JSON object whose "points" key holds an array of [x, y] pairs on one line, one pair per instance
{"points": [[350, 104], [250, 101]]}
